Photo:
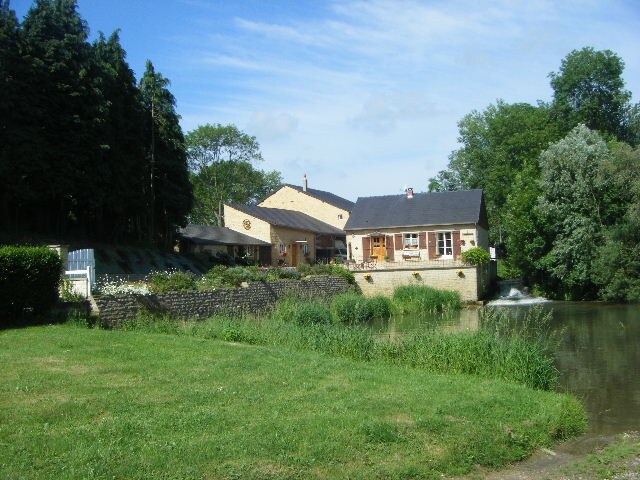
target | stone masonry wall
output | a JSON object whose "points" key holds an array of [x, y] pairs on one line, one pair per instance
{"points": [[383, 282], [256, 297]]}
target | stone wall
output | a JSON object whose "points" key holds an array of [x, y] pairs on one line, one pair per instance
{"points": [[473, 283], [255, 297]]}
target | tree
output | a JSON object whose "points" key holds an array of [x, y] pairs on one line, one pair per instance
{"points": [[496, 144], [617, 265], [11, 75], [575, 206], [589, 89], [59, 112], [168, 190], [122, 154], [221, 157]]}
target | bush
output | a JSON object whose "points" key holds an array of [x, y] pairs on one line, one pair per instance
{"points": [[329, 269], [476, 256], [29, 279], [420, 299], [285, 273], [301, 312], [172, 281], [351, 308]]}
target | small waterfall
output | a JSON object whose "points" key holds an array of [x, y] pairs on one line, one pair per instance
{"points": [[512, 292]]}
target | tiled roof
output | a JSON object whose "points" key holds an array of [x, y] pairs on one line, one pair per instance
{"points": [[435, 208], [289, 219], [204, 234], [326, 197]]}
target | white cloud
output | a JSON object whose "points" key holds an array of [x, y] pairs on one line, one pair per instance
{"points": [[269, 126]]}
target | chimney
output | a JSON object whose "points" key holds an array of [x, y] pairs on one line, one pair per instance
{"points": [[304, 183], [409, 192]]}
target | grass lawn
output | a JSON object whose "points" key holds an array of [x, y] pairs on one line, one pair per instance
{"points": [[82, 403]]}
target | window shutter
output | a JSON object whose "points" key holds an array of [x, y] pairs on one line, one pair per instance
{"points": [[389, 243], [432, 245], [398, 241], [422, 240], [366, 248], [455, 238]]}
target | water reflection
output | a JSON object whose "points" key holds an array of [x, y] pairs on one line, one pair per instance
{"points": [[598, 355]]}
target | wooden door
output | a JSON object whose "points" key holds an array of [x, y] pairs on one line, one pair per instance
{"points": [[378, 248], [294, 254]]}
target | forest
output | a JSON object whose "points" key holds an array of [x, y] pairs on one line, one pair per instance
{"points": [[561, 180]]}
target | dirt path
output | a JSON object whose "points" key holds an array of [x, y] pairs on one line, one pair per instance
{"points": [[560, 463]]}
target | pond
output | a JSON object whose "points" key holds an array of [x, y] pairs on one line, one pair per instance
{"points": [[598, 356]]}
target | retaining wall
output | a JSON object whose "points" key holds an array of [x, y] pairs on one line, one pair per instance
{"points": [[255, 297], [473, 283]]}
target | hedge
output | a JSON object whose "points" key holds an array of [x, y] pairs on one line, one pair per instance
{"points": [[29, 280]]}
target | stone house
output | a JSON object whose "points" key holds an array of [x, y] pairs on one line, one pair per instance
{"points": [[294, 237], [417, 228], [324, 206]]}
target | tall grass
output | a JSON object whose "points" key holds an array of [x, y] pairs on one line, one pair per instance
{"points": [[517, 358], [352, 308], [418, 299]]}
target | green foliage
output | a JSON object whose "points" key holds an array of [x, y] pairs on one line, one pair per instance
{"points": [[380, 307], [172, 281], [230, 277], [589, 89], [29, 279], [284, 273], [84, 152], [476, 256], [351, 309], [574, 209], [496, 144], [301, 312], [328, 269], [420, 300], [221, 158]]}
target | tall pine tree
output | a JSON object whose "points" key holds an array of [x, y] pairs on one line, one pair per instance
{"points": [[169, 192]]}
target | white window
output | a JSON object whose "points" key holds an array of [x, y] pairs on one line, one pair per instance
{"points": [[339, 216], [283, 249], [445, 244], [305, 249], [410, 241]]}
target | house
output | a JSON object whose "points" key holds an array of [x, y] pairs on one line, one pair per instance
{"points": [[295, 237], [212, 240], [324, 206], [422, 227]]}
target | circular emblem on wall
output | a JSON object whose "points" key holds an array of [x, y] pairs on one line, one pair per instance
{"points": [[246, 224]]}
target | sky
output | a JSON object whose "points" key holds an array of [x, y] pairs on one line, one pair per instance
{"points": [[362, 96]]}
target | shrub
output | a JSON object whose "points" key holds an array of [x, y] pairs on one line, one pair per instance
{"points": [[328, 269], [172, 281], [476, 256], [285, 273], [421, 299], [351, 308], [29, 279], [301, 312]]}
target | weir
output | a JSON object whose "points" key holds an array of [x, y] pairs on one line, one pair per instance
{"points": [[513, 292]]}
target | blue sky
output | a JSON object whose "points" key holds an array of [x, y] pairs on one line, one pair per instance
{"points": [[362, 96]]}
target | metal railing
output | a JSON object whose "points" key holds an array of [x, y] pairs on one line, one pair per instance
{"points": [[406, 264]]}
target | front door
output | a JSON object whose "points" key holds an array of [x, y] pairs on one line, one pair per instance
{"points": [[294, 254], [378, 248]]}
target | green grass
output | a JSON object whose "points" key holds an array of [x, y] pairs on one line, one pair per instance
{"points": [[89, 403], [486, 354]]}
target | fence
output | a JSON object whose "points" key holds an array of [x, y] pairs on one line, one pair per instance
{"points": [[81, 271]]}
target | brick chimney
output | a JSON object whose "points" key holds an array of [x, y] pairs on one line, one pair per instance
{"points": [[409, 192], [304, 183]]}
